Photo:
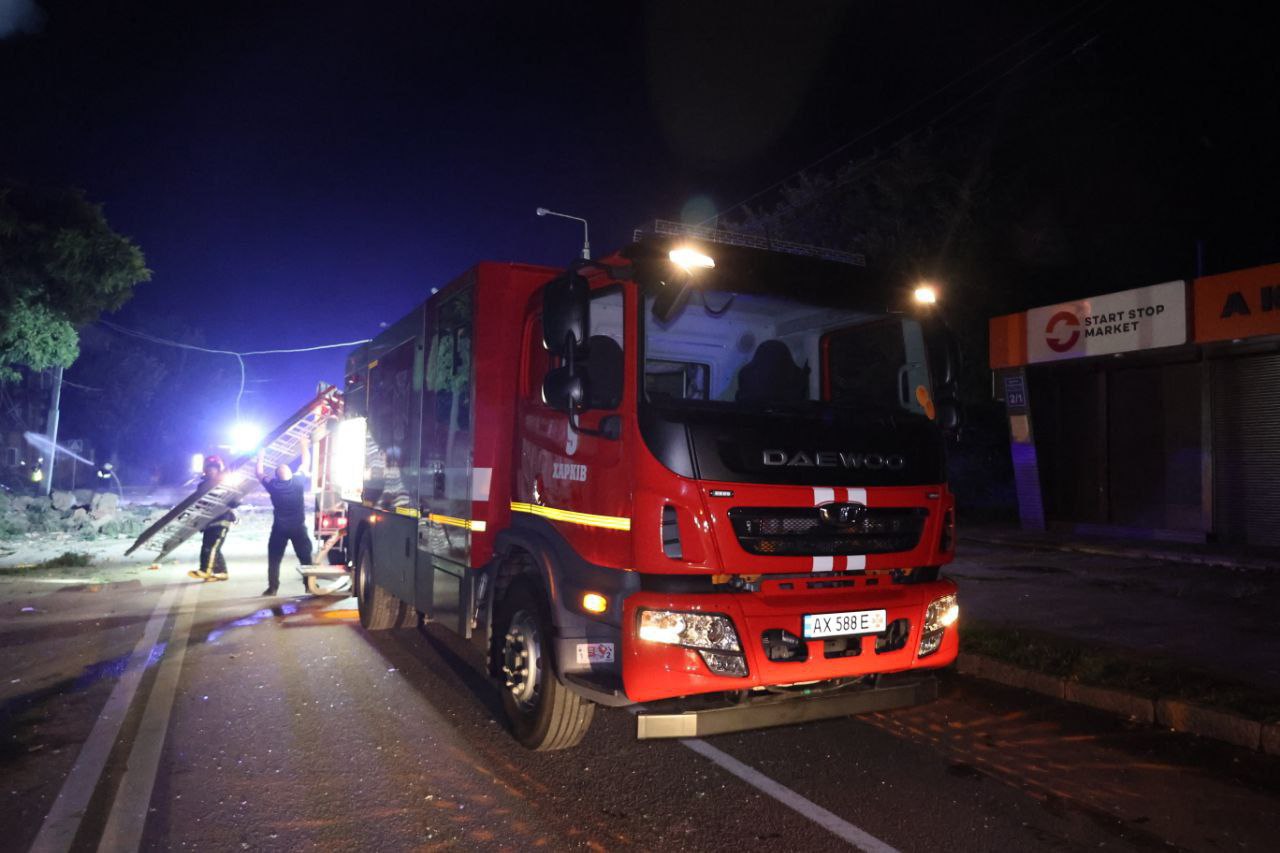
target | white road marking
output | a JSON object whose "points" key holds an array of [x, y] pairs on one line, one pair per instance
{"points": [[129, 809], [833, 823], [63, 821], [829, 821]]}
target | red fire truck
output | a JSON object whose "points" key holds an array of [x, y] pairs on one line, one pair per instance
{"points": [[704, 478]]}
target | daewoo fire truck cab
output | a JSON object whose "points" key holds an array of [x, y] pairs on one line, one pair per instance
{"points": [[702, 477]]}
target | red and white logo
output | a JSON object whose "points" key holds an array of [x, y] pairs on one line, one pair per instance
{"points": [[1064, 340]]}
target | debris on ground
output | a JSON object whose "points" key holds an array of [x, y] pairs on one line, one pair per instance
{"points": [[81, 515], [66, 560]]}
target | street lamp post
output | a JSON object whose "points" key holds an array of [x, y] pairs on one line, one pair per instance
{"points": [[586, 239]]}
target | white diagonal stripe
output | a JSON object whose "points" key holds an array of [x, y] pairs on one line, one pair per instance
{"points": [[833, 823]]}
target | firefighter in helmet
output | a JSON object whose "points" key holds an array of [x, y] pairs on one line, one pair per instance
{"points": [[213, 566]]}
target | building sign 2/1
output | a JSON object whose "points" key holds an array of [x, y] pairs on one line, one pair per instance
{"points": [[1143, 318], [1015, 391]]}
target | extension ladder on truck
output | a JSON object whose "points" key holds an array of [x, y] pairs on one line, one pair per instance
{"points": [[281, 446]]}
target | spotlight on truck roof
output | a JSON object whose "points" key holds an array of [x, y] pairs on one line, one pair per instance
{"points": [[926, 294], [691, 259]]}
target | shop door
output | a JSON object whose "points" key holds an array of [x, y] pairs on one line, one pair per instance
{"points": [[1153, 447], [1246, 450], [1067, 409]]}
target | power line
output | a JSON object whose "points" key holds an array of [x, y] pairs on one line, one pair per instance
{"points": [[239, 356], [862, 136], [308, 349], [156, 339]]}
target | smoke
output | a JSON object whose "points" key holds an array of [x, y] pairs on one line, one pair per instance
{"points": [[20, 16]]}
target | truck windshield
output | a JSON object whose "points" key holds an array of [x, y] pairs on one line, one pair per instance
{"points": [[770, 353]]}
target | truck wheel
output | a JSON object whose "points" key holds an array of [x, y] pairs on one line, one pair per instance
{"points": [[544, 714], [379, 609]]}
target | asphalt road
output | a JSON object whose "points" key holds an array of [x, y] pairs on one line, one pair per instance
{"points": [[278, 724]]}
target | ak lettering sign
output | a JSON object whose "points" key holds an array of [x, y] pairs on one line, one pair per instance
{"points": [[1237, 305], [1143, 318]]}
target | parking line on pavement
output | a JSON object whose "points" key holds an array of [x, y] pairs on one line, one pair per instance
{"points": [[829, 821], [133, 798], [63, 821]]}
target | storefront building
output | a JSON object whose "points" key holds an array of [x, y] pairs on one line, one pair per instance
{"points": [[1153, 412]]}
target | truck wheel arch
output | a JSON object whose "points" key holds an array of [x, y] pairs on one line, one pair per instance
{"points": [[353, 546], [533, 556]]}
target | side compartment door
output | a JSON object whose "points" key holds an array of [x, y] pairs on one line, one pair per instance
{"points": [[391, 482], [444, 523]]}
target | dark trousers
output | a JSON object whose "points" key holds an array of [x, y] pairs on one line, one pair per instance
{"points": [[301, 539], [211, 559]]}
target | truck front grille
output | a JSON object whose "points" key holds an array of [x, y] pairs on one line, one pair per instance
{"points": [[797, 531]]}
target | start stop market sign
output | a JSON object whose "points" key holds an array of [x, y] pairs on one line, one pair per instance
{"points": [[1143, 318]]}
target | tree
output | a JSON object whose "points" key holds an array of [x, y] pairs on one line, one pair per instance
{"points": [[110, 397], [61, 266]]}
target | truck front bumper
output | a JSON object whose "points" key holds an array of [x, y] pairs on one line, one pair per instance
{"points": [[652, 671], [782, 710]]}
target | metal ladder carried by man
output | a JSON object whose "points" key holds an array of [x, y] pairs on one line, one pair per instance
{"points": [[280, 446]]}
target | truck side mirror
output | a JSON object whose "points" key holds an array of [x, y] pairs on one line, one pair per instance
{"points": [[565, 313], [950, 418], [564, 389], [945, 361], [944, 356]]}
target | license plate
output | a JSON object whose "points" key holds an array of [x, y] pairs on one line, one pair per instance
{"points": [[817, 625]]}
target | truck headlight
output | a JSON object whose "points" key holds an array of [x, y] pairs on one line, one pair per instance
{"points": [[941, 614], [711, 634], [692, 630]]}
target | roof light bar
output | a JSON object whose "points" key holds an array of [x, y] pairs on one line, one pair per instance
{"points": [[667, 228]]}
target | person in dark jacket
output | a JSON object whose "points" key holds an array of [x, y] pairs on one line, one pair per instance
{"points": [[288, 490], [213, 566]]}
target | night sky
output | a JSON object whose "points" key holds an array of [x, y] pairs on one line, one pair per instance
{"points": [[297, 173]]}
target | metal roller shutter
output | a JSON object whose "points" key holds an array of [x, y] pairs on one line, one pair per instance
{"points": [[1246, 450]]}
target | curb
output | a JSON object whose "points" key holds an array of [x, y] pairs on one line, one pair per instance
{"points": [[1176, 714], [1214, 560]]}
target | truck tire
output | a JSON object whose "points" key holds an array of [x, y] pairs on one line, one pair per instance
{"points": [[379, 609], [544, 714]]}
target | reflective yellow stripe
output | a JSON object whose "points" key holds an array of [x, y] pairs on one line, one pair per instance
{"points": [[610, 522], [469, 524], [407, 510]]}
